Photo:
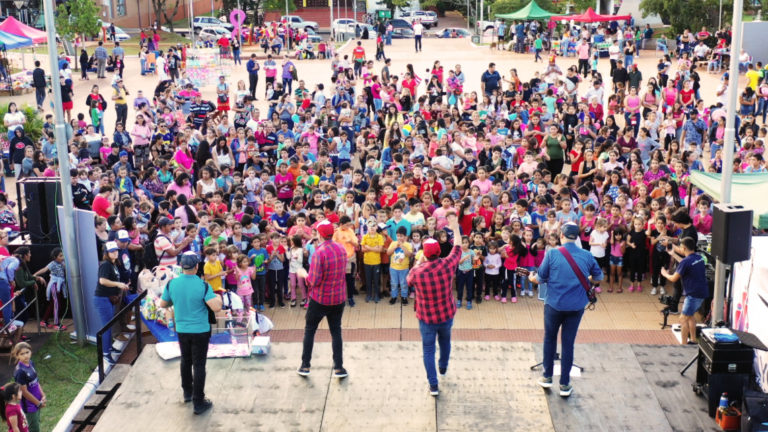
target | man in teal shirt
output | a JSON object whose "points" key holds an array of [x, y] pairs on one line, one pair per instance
{"points": [[191, 298]]}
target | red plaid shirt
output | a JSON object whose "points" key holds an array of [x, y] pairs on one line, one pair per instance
{"points": [[433, 281], [326, 279]]}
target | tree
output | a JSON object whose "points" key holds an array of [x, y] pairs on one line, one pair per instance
{"points": [[392, 5], [683, 14], [279, 5], [78, 17], [161, 12]]}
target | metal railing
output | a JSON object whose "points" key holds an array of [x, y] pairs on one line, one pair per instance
{"points": [[18, 313], [134, 304]]}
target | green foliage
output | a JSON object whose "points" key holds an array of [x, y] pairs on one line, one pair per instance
{"points": [[392, 5], [688, 14], [34, 125], [78, 17], [227, 6], [509, 6], [278, 5]]}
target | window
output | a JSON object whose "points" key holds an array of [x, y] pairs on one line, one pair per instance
{"points": [[121, 11]]}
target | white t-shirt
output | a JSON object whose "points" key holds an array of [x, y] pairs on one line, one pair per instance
{"points": [[613, 52], [598, 237], [495, 261], [14, 119], [418, 29], [162, 243], [442, 161]]}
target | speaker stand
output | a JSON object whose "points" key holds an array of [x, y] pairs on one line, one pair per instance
{"points": [[557, 358]]}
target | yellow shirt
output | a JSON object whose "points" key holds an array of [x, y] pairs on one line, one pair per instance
{"points": [[754, 78], [212, 268], [121, 97], [372, 240], [346, 238], [399, 259]]}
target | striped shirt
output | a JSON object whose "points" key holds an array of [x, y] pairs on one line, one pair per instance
{"points": [[326, 279]]}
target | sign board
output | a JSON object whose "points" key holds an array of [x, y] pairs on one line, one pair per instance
{"points": [[385, 13]]}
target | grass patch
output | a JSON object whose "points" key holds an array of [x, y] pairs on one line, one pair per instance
{"points": [[62, 375]]}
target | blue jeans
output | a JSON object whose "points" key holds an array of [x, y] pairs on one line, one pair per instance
{"points": [[372, 281], [553, 321], [762, 108], [397, 280], [465, 280], [5, 297], [713, 148], [106, 311], [429, 332]]}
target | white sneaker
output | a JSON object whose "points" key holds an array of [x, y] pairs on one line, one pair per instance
{"points": [[530, 293], [653, 291], [662, 291]]}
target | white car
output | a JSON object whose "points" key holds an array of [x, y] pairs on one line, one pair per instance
{"points": [[343, 25], [426, 19], [202, 22], [214, 33], [120, 34], [296, 22]]}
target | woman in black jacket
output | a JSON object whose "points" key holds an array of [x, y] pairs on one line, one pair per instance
{"points": [[85, 62], [18, 143]]}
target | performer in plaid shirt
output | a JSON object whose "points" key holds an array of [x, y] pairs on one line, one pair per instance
{"points": [[327, 286], [435, 305]]}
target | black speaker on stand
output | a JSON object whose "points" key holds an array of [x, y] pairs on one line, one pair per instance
{"points": [[41, 196], [731, 233]]}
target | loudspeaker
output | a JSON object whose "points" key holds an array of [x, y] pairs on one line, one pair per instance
{"points": [[42, 197], [731, 233]]}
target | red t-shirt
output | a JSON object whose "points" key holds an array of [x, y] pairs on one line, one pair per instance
{"points": [[388, 202], [100, 206], [21, 419]]}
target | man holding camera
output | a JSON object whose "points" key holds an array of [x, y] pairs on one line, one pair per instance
{"points": [[565, 301], [692, 271]]}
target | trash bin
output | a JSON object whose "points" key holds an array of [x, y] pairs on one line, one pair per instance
{"points": [[475, 39]]}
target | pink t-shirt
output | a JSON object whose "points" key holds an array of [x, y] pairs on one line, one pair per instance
{"points": [[183, 159], [484, 185], [244, 287]]}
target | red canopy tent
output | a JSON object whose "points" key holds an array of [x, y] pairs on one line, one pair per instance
{"points": [[591, 16], [13, 26]]}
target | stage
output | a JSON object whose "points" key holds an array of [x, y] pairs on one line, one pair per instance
{"points": [[489, 386]]}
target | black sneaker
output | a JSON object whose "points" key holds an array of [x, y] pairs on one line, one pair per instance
{"points": [[404, 301], [204, 406], [303, 371], [433, 390], [443, 371], [340, 373], [187, 398], [282, 305], [392, 301]]}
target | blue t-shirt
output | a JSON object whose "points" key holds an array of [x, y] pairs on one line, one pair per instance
{"points": [[281, 220], [259, 265], [537, 219], [188, 293], [692, 270], [392, 227]]}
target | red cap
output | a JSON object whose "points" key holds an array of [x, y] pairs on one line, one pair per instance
{"points": [[325, 229], [431, 248]]}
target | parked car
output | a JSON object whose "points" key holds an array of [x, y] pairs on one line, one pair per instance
{"points": [[214, 33], [313, 37], [401, 23], [296, 22], [120, 34], [453, 32], [402, 33], [433, 14], [343, 25], [202, 22], [427, 20]]}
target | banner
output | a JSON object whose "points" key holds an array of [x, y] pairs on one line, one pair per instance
{"points": [[749, 309]]}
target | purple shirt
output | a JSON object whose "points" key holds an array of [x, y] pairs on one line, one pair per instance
{"points": [[326, 278], [26, 375]]}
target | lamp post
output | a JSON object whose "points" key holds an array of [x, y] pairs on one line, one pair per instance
{"points": [[69, 229]]}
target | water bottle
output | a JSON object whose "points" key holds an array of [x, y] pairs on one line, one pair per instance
{"points": [[723, 402], [173, 333]]}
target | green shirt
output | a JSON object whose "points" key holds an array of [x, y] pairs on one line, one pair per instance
{"points": [[188, 294], [553, 148], [538, 44]]}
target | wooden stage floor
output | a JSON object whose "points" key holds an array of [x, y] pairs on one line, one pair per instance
{"points": [[489, 387]]}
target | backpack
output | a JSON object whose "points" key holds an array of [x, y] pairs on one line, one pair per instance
{"points": [[150, 258]]}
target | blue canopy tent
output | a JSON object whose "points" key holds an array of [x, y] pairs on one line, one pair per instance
{"points": [[11, 41]]}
